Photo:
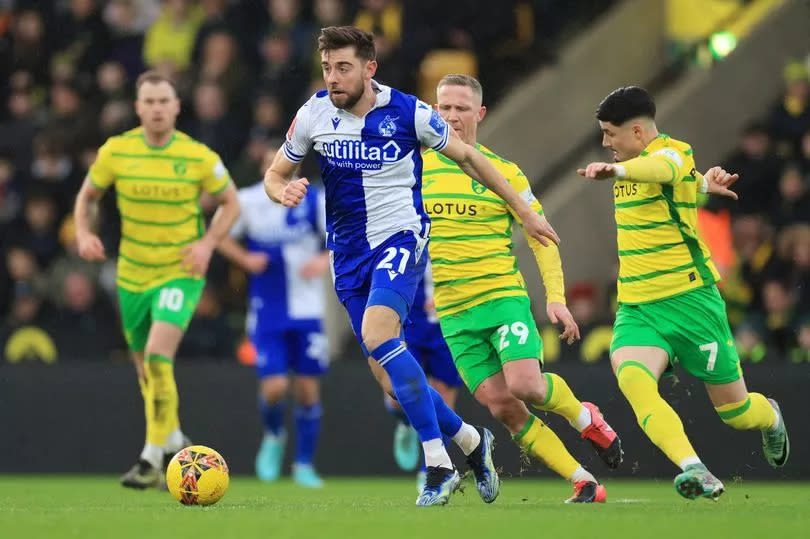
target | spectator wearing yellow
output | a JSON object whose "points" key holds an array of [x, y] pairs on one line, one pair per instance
{"points": [[170, 39]]}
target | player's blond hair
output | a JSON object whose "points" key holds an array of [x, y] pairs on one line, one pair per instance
{"points": [[456, 79], [153, 77]]}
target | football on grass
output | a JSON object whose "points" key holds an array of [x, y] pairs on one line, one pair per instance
{"points": [[197, 475]]}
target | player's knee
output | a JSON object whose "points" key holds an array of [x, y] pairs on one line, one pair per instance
{"points": [[374, 337], [274, 388], [380, 324], [510, 411], [526, 390], [307, 391]]}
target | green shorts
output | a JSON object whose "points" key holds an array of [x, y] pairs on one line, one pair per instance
{"points": [[173, 302], [692, 328], [483, 338]]}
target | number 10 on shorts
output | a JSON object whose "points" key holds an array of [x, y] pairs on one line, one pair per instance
{"points": [[170, 299]]}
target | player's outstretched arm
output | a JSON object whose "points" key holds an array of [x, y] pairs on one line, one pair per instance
{"points": [[85, 213], [279, 185], [248, 261], [197, 255], [315, 267], [646, 169], [478, 167]]}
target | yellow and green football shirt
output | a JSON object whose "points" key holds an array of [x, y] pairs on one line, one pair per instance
{"points": [[660, 252], [471, 236], [158, 191]]}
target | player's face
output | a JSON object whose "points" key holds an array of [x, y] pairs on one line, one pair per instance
{"points": [[157, 106], [626, 140], [461, 108], [346, 76]]}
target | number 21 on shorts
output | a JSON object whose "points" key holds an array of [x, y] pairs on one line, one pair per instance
{"points": [[387, 262], [517, 329]]}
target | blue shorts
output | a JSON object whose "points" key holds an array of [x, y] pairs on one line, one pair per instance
{"points": [[301, 349], [426, 343], [387, 275]]}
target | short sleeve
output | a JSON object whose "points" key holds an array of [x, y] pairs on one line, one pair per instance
{"points": [[431, 129], [299, 141], [101, 172], [215, 176], [520, 183]]}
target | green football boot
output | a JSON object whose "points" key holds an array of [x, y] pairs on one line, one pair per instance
{"points": [[697, 481], [775, 443]]}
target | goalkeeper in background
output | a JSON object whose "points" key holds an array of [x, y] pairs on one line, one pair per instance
{"points": [[158, 174], [483, 306], [670, 310]]}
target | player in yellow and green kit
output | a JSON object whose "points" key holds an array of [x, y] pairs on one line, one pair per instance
{"points": [[158, 174], [670, 310], [483, 306]]}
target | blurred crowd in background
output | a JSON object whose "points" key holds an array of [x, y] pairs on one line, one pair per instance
{"points": [[242, 69]]}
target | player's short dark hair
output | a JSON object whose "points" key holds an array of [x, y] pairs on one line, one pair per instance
{"points": [[462, 80], [337, 37], [153, 77], [623, 104]]}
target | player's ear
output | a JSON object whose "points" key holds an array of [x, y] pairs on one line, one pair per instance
{"points": [[371, 68], [482, 112]]}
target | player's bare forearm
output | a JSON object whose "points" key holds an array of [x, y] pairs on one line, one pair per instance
{"points": [[233, 251], [85, 214], [85, 210], [278, 176], [478, 167], [225, 216], [274, 185]]}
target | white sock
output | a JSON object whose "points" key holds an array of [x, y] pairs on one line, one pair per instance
{"points": [[153, 454], [583, 420], [581, 474], [174, 442], [436, 454], [777, 421], [467, 438], [688, 461], [281, 437]]}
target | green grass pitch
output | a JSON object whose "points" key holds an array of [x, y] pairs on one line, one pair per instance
{"points": [[89, 507]]}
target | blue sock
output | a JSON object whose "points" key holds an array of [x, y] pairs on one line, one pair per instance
{"points": [[272, 416], [307, 426], [449, 421], [410, 387], [395, 411]]}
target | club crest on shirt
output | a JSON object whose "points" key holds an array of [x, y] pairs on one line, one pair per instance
{"points": [[477, 187], [180, 168], [388, 126]]}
